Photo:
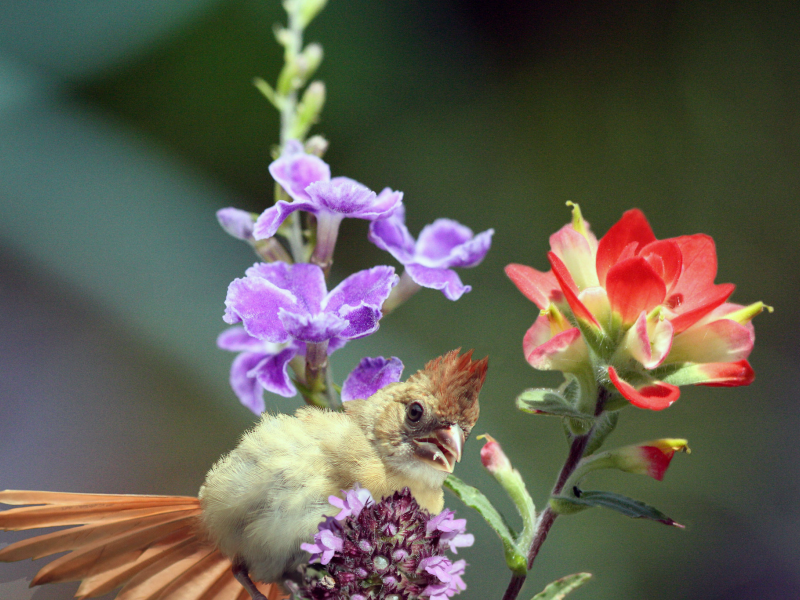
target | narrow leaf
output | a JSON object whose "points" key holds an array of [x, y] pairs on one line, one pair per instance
{"points": [[544, 401], [474, 498], [561, 587], [622, 504]]}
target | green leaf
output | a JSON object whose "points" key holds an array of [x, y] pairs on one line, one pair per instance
{"points": [[544, 401], [622, 504], [561, 587], [474, 498], [603, 427]]}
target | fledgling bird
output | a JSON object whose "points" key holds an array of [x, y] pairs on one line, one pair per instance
{"points": [[260, 501]]}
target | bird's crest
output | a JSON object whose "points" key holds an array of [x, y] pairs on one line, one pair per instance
{"points": [[456, 381]]}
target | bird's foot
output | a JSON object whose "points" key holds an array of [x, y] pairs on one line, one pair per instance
{"points": [[242, 575]]}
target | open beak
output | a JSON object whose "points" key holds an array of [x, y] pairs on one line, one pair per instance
{"points": [[442, 449]]}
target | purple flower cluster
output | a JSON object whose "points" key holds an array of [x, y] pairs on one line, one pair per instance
{"points": [[373, 551], [286, 310]]}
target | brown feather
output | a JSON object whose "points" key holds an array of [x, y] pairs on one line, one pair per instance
{"points": [[33, 517], [76, 537], [148, 583], [225, 588], [198, 578], [88, 559], [28, 497], [131, 563]]}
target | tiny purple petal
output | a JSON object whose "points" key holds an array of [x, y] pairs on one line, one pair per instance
{"points": [[448, 243], [326, 544], [392, 235], [370, 287], [361, 322], [461, 540], [369, 376], [354, 502], [348, 198], [272, 374], [235, 222], [312, 328], [271, 219], [247, 388], [295, 171], [438, 279], [236, 339]]}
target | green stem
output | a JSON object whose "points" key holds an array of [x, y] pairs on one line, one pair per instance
{"points": [[548, 516]]}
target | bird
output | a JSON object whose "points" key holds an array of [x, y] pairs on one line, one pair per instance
{"points": [[241, 536]]}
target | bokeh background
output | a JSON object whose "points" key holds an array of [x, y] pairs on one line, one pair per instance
{"points": [[124, 125]]}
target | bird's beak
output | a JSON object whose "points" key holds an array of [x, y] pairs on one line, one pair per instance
{"points": [[442, 449]]}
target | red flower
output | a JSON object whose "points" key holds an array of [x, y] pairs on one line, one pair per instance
{"points": [[648, 309]]}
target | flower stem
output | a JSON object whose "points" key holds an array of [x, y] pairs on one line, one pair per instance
{"points": [[548, 516]]}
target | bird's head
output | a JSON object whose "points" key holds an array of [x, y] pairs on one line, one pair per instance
{"points": [[422, 423]]}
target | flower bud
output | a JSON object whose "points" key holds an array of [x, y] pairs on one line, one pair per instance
{"points": [[649, 458], [493, 457]]}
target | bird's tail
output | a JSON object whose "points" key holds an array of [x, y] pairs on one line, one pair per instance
{"points": [[152, 546]]}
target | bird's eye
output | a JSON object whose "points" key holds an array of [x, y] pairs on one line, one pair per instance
{"points": [[414, 412]]}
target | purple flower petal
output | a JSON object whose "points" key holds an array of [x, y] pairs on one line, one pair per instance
{"points": [[348, 198], [255, 302], [295, 171], [448, 243], [369, 376], [438, 279], [369, 287], [305, 281], [326, 544], [271, 219], [272, 373], [353, 503], [392, 235], [236, 339], [247, 388], [312, 328], [235, 222], [361, 322]]}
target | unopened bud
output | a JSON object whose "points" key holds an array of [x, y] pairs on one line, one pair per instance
{"points": [[649, 458], [309, 60], [310, 9], [493, 457], [309, 109], [316, 145], [235, 222]]}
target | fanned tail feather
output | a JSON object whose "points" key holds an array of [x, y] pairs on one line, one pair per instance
{"points": [[151, 546]]}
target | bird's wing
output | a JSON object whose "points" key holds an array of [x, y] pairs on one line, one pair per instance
{"points": [[152, 546]]}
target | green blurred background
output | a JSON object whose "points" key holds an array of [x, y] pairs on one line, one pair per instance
{"points": [[124, 125]]}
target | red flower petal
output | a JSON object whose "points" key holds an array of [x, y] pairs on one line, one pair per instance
{"points": [[700, 305], [570, 290], [657, 461], [633, 286], [666, 258], [655, 396], [632, 227], [537, 287], [699, 264], [728, 374]]}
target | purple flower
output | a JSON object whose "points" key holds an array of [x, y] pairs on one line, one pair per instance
{"points": [[369, 376], [307, 180], [440, 247], [295, 170], [354, 502], [381, 549], [326, 542], [279, 302], [286, 304], [236, 222], [452, 530], [448, 574]]}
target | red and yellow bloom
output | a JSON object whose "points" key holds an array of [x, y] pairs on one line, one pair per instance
{"points": [[644, 311]]}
